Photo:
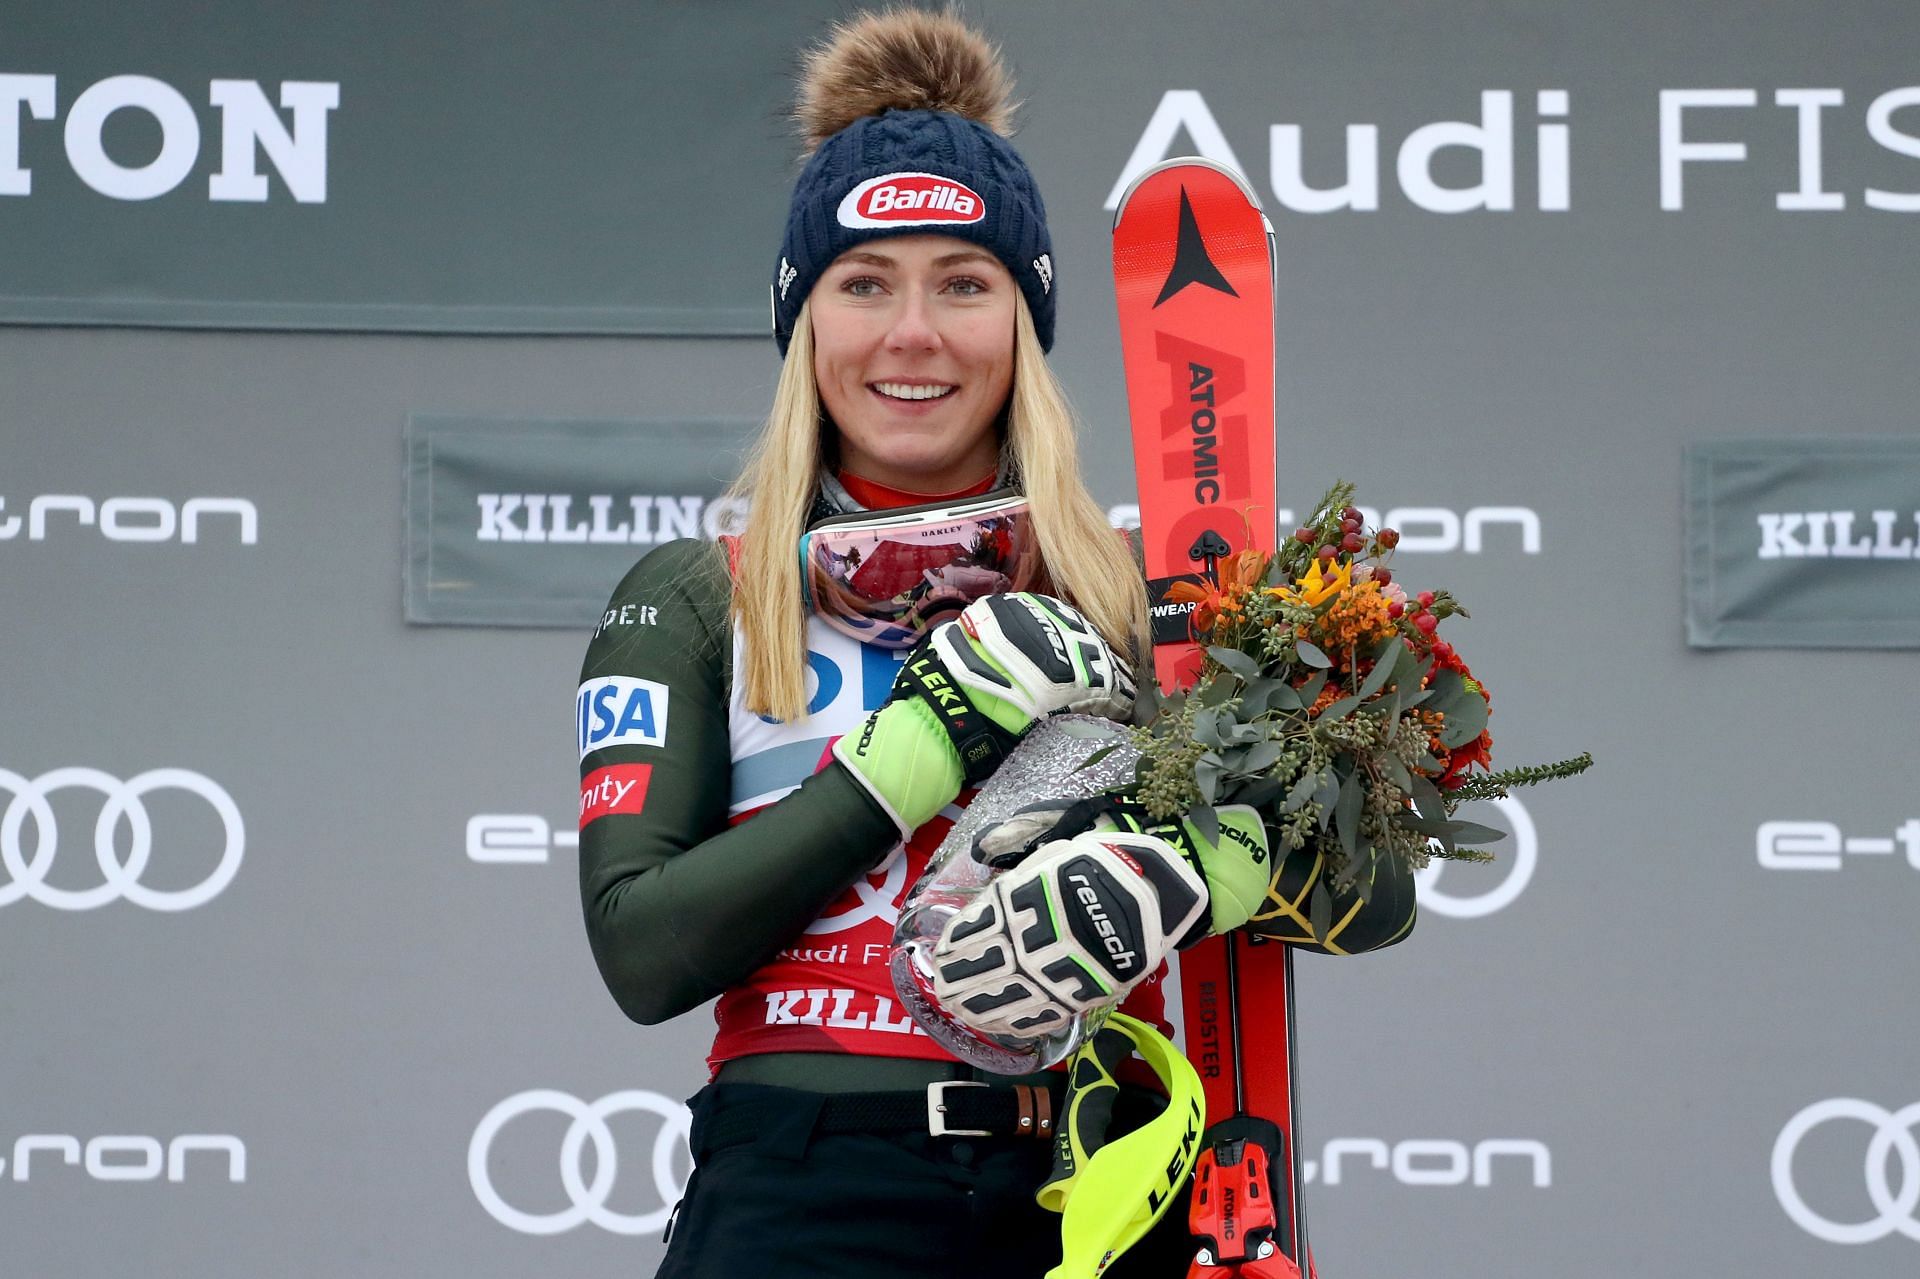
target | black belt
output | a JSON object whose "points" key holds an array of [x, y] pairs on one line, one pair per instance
{"points": [[945, 1108]]}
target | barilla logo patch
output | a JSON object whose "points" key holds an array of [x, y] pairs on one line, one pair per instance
{"points": [[911, 199], [619, 789], [620, 711]]}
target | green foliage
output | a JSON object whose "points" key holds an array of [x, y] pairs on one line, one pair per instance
{"points": [[1496, 785], [1358, 776]]}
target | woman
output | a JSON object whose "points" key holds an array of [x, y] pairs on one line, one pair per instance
{"points": [[914, 304]]}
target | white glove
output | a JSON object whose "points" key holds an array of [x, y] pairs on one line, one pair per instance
{"points": [[1037, 656], [1083, 920]]}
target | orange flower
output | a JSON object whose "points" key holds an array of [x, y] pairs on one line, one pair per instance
{"points": [[1242, 571], [1357, 619], [1478, 752], [1239, 573], [1208, 603], [1317, 585]]}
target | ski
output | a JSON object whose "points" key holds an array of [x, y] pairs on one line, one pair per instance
{"points": [[1193, 267]]}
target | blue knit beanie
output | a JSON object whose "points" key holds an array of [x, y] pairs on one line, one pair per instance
{"points": [[914, 172]]}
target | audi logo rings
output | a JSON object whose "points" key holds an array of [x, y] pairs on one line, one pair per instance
{"points": [[1893, 1134], [589, 1124], [27, 872]]}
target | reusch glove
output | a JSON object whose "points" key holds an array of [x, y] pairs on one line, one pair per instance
{"points": [[1098, 897], [970, 690]]}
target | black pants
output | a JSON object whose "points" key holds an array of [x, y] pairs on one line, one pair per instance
{"points": [[788, 1203]]}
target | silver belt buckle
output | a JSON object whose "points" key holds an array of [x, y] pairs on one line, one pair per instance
{"points": [[937, 1108]]}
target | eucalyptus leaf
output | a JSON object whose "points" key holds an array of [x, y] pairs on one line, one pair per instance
{"points": [[1206, 727], [1310, 654], [1216, 692], [1383, 668], [1346, 815], [1410, 668], [1207, 777], [1311, 689], [1477, 833], [1446, 689], [1432, 827], [1234, 660], [1206, 823], [1338, 710], [1465, 721], [1261, 756], [1426, 798], [1325, 794], [1283, 697], [1097, 756], [1320, 912], [1301, 792], [1259, 793], [1147, 702], [1364, 881], [1396, 772]]}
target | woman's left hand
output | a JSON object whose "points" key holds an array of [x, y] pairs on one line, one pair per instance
{"points": [[1091, 911]]}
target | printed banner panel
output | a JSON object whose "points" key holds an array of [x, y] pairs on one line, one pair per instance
{"points": [[1803, 543], [530, 523], [557, 168]]}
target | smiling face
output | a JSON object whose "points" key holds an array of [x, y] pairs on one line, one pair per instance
{"points": [[913, 354]]}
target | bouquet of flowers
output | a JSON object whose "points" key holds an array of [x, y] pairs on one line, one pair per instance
{"points": [[1329, 701]]}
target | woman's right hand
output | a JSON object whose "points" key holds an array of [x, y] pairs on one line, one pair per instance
{"points": [[1024, 657], [971, 690]]}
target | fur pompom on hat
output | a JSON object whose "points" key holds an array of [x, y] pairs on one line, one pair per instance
{"points": [[905, 113]]}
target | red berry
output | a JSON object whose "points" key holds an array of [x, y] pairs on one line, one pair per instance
{"points": [[1384, 576], [1352, 543], [1352, 513], [1305, 536], [1395, 609], [1442, 648], [1349, 526], [1426, 622], [1425, 598], [1326, 552], [1388, 538]]}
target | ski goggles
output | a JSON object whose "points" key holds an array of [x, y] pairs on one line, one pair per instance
{"points": [[1110, 1193], [888, 577]]}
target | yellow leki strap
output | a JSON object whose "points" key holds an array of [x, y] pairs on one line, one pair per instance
{"points": [[1110, 1193]]}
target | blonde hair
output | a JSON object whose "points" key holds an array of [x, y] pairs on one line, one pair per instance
{"points": [[1088, 562]]}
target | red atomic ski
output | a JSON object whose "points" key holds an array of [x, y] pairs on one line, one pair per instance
{"points": [[1193, 270]]}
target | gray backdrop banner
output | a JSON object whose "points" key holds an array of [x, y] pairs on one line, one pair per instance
{"points": [[1803, 543], [519, 523], [337, 1018], [552, 168]]}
